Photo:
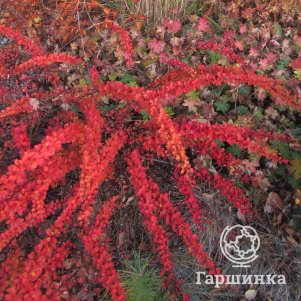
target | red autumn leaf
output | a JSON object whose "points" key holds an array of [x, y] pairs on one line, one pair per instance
{"points": [[172, 25], [203, 25], [296, 64], [254, 52], [271, 58], [264, 63], [243, 28], [239, 45], [156, 46]]}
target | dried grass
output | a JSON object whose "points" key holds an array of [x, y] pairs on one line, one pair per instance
{"points": [[292, 5], [276, 256], [158, 10]]}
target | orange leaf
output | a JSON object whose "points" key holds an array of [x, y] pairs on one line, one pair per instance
{"points": [[139, 25], [106, 11]]}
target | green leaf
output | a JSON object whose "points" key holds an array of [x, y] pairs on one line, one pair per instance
{"points": [[218, 90], [108, 107], [193, 94], [83, 82], [272, 177], [113, 76], [278, 30], [219, 143], [127, 78], [285, 121], [284, 61], [222, 62], [295, 168], [132, 84], [280, 108], [239, 183], [222, 106], [260, 71], [244, 90], [214, 57], [185, 60], [75, 108], [242, 110], [294, 183], [169, 111], [280, 67], [296, 155], [281, 171], [144, 114], [296, 132], [283, 149], [147, 62], [258, 114], [235, 150]]}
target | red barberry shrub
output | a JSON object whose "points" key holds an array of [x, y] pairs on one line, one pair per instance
{"points": [[63, 136]]}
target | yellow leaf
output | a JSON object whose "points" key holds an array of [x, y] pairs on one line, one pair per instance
{"points": [[74, 46], [295, 168], [244, 120], [37, 20]]}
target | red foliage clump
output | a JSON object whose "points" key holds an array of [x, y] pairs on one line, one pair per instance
{"points": [[81, 137]]}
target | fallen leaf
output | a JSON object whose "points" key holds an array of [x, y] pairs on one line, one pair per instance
{"points": [[241, 216], [156, 46], [270, 111], [250, 294], [273, 203], [251, 166], [151, 71], [74, 46], [121, 239], [72, 78], [203, 25], [119, 54], [191, 104], [193, 18], [207, 196], [37, 20], [34, 103]]}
